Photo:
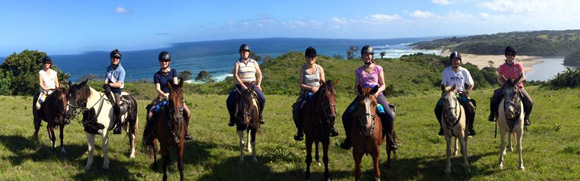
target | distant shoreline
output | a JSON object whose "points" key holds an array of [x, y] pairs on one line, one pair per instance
{"points": [[482, 61]]}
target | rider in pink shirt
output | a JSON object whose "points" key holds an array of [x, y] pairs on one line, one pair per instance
{"points": [[511, 70]]}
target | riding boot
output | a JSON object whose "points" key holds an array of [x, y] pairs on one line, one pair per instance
{"points": [[297, 121], [333, 132], [187, 136], [438, 112], [117, 112]]}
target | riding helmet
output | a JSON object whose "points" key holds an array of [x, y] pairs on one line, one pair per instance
{"points": [[115, 54], [310, 52], [367, 49], [509, 50], [46, 59], [454, 55], [164, 55], [244, 47]]}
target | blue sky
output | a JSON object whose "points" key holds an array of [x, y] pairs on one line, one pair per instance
{"points": [[65, 27]]}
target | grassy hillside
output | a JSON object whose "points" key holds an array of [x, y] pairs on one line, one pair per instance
{"points": [[537, 43], [551, 148]]}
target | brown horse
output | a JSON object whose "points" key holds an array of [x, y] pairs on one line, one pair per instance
{"points": [[247, 119], [170, 129], [53, 112], [319, 113], [367, 130], [510, 119]]}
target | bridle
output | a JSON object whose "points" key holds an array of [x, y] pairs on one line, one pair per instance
{"points": [[452, 109], [361, 118]]}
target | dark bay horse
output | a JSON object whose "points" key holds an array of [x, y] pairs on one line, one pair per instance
{"points": [[170, 129], [510, 119], [98, 117], [367, 130], [247, 119], [53, 112], [319, 113]]}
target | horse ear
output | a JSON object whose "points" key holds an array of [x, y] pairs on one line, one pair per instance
{"points": [[359, 89], [83, 82], [70, 84], [453, 87], [442, 87], [375, 89], [504, 79], [335, 83], [169, 85], [180, 83]]}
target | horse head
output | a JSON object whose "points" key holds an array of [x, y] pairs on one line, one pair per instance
{"points": [[511, 96], [366, 113], [175, 105], [77, 97], [57, 104], [326, 96], [451, 106], [245, 105]]}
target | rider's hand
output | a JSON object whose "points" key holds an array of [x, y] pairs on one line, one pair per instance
{"points": [[314, 89], [259, 87], [166, 95]]}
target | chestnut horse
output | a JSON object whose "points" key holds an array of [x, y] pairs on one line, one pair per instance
{"points": [[170, 129], [319, 113], [453, 121], [53, 112], [247, 119], [510, 119], [367, 130], [98, 117]]}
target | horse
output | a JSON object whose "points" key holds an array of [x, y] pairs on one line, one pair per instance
{"points": [[98, 117], [510, 119], [247, 119], [453, 121], [367, 130], [53, 112], [170, 129], [319, 113]]}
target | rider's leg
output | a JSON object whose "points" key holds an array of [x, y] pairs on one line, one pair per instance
{"points": [[347, 117], [494, 104], [187, 114], [231, 105], [297, 121], [117, 112], [528, 104], [388, 120], [262, 100], [438, 112], [470, 116]]}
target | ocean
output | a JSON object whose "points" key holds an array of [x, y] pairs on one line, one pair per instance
{"points": [[217, 57]]}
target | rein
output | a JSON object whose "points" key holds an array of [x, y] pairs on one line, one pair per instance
{"points": [[84, 109], [456, 121]]}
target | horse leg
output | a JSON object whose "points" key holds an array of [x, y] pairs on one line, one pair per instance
{"points": [[154, 155], [325, 158], [376, 160], [62, 139], [166, 160], [501, 148], [248, 146], [91, 150], [105, 150], [357, 162], [253, 141], [463, 144], [51, 136], [520, 133], [448, 165], [316, 153], [133, 137], [180, 161], [308, 156], [456, 145], [510, 136], [241, 136], [36, 125]]}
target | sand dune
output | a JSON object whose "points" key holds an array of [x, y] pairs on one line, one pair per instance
{"points": [[482, 61]]}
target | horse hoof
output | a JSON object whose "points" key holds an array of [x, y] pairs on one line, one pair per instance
{"points": [[87, 168], [522, 168], [319, 164], [254, 160], [447, 171], [105, 166], [455, 153], [501, 167], [132, 156]]}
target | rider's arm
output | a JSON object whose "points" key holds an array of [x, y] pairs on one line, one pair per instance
{"points": [[56, 82], [237, 77], [322, 78], [258, 75], [522, 75], [301, 80], [356, 82], [120, 79], [40, 82], [382, 85], [159, 91], [175, 79]]}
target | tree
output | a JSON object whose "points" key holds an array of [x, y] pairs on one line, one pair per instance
{"points": [[383, 53], [255, 56], [23, 70], [351, 52], [185, 75], [490, 63], [204, 76]]}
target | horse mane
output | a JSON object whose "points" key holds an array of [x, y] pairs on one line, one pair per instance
{"points": [[83, 91]]}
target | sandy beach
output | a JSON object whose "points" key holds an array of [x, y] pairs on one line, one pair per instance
{"points": [[482, 61]]}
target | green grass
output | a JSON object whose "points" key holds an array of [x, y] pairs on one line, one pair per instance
{"points": [[551, 150]]}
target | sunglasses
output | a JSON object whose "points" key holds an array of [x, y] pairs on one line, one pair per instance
{"points": [[165, 60]]}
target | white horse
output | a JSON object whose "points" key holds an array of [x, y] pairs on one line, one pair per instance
{"points": [[453, 122], [511, 120], [98, 118]]}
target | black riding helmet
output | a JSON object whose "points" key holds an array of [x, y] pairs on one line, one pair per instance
{"points": [[454, 55], [46, 59], [244, 47], [116, 54], [509, 50], [310, 52], [367, 49], [164, 56]]}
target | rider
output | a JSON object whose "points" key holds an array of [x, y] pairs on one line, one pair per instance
{"points": [[310, 79], [246, 72], [455, 74], [160, 78], [511, 70], [47, 79], [115, 82], [370, 75]]}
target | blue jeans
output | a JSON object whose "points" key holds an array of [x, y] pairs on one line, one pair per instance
{"points": [[231, 101]]}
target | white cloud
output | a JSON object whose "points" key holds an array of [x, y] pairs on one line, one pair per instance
{"points": [[339, 20], [422, 14], [442, 2], [122, 10], [383, 18]]}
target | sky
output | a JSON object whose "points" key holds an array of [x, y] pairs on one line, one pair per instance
{"points": [[72, 26]]}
